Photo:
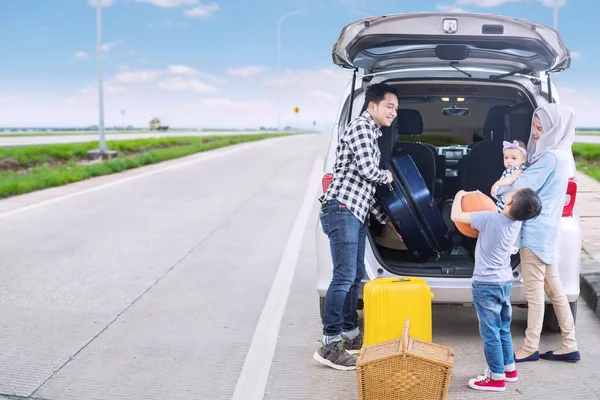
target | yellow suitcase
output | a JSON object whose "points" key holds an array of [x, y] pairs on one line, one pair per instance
{"points": [[388, 302]]}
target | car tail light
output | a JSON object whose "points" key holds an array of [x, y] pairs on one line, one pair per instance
{"points": [[570, 199], [326, 181]]}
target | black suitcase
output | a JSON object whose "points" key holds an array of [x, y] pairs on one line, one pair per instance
{"points": [[414, 213]]}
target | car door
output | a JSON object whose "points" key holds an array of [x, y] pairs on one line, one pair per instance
{"points": [[461, 40]]}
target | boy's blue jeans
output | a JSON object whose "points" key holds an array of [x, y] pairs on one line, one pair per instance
{"points": [[347, 236], [492, 303]]}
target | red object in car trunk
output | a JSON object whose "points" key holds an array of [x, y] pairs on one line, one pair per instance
{"points": [[570, 199], [326, 181]]}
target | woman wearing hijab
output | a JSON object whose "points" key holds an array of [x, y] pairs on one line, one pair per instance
{"points": [[551, 162]]}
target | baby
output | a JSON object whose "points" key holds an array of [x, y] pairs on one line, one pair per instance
{"points": [[515, 162]]}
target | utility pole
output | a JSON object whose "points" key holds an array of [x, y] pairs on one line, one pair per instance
{"points": [[102, 144], [102, 152]]}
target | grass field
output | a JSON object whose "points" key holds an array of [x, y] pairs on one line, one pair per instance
{"points": [[587, 157], [29, 168]]}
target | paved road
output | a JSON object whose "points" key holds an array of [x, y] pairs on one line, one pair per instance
{"points": [[14, 141], [152, 284], [587, 139]]}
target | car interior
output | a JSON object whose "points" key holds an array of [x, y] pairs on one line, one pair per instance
{"points": [[453, 132]]}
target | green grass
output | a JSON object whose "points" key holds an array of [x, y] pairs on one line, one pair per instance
{"points": [[586, 150], [589, 168], [74, 133], [63, 152], [56, 165], [111, 132], [587, 158]]}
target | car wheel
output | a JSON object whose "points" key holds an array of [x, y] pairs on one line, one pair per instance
{"points": [[550, 320]]}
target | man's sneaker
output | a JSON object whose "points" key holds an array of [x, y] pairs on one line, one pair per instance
{"points": [[511, 376], [353, 346], [485, 383], [336, 357]]}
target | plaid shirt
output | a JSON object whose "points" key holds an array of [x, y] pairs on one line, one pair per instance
{"points": [[356, 170]]}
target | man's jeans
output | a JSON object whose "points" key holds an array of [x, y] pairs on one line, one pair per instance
{"points": [[347, 237], [492, 303]]}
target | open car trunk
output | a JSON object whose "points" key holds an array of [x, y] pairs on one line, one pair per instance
{"points": [[466, 123]]}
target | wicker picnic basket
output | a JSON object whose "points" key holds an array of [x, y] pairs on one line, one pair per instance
{"points": [[404, 369]]}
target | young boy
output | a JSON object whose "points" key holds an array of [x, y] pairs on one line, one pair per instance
{"points": [[492, 280]]}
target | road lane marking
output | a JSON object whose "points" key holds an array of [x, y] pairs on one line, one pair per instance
{"points": [[131, 178], [252, 382]]}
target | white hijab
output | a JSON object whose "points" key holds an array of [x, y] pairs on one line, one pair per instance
{"points": [[558, 122]]}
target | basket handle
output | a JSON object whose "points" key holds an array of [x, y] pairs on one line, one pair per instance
{"points": [[405, 335]]}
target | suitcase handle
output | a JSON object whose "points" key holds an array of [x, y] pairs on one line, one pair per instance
{"points": [[405, 335]]}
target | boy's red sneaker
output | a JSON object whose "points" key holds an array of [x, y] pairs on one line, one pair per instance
{"points": [[485, 383], [511, 376]]}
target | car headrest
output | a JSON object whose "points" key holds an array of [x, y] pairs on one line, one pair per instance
{"points": [[493, 127], [409, 122], [518, 122]]}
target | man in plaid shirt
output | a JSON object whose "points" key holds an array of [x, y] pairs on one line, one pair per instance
{"points": [[345, 209]]}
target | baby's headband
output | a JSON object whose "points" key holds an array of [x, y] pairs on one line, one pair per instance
{"points": [[514, 145]]}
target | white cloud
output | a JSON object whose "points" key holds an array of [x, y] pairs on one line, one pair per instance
{"points": [[245, 72], [255, 105], [168, 23], [550, 3], [180, 84], [140, 76], [450, 8], [456, 5], [169, 3], [82, 55], [203, 10], [483, 3], [575, 54], [106, 47], [322, 95], [306, 80], [114, 88], [182, 70], [103, 3], [585, 104]]}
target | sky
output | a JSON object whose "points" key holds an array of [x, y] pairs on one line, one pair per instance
{"points": [[214, 63]]}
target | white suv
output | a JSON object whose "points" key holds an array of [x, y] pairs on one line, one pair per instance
{"points": [[466, 82]]}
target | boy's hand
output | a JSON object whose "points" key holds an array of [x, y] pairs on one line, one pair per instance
{"points": [[460, 195], [457, 214]]}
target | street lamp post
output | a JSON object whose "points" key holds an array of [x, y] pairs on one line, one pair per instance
{"points": [[102, 144], [102, 152], [556, 14], [279, 62]]}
